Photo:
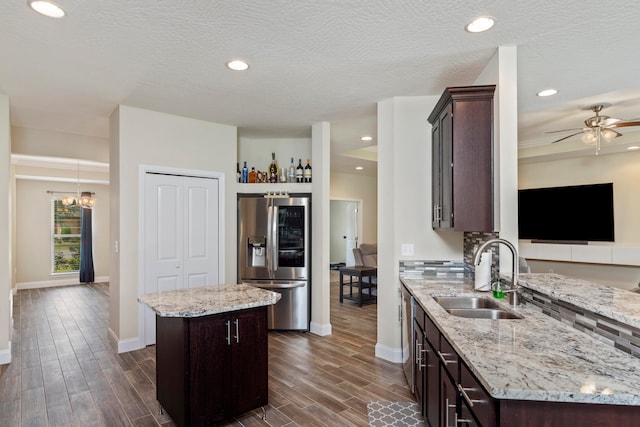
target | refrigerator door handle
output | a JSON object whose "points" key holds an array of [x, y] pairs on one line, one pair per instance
{"points": [[273, 241], [269, 246]]}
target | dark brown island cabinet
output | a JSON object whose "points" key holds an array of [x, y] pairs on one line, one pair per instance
{"points": [[462, 159], [211, 368], [211, 351], [449, 395]]}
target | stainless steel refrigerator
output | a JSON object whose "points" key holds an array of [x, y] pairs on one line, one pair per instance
{"points": [[274, 252]]}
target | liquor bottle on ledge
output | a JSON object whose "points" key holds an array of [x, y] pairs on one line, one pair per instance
{"points": [[299, 172], [292, 172], [273, 169], [307, 172], [245, 173]]}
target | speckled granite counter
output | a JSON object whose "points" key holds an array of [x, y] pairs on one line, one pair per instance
{"points": [[538, 357], [208, 300]]}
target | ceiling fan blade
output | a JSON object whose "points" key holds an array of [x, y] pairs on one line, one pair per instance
{"points": [[564, 130], [567, 137], [624, 124]]}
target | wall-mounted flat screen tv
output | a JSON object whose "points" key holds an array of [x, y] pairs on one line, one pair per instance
{"points": [[581, 213]]}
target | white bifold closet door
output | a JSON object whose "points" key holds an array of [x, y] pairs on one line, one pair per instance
{"points": [[181, 215]]}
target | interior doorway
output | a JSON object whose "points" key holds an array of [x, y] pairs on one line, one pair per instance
{"points": [[345, 230]]}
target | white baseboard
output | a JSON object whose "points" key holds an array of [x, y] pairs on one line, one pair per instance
{"points": [[392, 354], [73, 280], [5, 355], [320, 329], [123, 346]]}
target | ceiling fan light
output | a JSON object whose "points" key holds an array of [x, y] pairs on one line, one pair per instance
{"points": [[589, 138], [608, 135]]}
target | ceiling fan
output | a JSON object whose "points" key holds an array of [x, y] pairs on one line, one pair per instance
{"points": [[598, 128]]}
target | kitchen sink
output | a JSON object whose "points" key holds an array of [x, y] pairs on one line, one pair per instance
{"points": [[484, 313], [475, 308], [466, 302]]}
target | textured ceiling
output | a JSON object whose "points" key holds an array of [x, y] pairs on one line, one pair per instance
{"points": [[310, 61]]}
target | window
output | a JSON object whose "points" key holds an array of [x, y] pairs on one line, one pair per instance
{"points": [[65, 237]]}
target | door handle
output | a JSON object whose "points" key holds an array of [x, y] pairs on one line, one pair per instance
{"points": [[228, 337], [237, 331]]}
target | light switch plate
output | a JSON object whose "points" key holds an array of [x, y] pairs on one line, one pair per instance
{"points": [[406, 249]]}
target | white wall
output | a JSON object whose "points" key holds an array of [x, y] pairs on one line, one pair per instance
{"points": [[33, 228], [404, 207], [346, 186], [6, 198], [59, 144], [404, 196], [143, 137], [320, 297]]}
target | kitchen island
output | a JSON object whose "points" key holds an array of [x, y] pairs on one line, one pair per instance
{"points": [[211, 351], [535, 370]]}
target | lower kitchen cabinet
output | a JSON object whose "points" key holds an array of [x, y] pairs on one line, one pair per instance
{"points": [[449, 395], [211, 368]]}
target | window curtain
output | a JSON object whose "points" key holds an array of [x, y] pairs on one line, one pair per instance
{"points": [[87, 274]]}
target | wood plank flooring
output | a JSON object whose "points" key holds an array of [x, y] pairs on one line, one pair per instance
{"points": [[65, 373]]}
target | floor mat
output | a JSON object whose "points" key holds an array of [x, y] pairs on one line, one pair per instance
{"points": [[396, 414]]}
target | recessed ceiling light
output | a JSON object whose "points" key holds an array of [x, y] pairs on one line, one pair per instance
{"points": [[47, 8], [237, 65], [547, 92], [633, 147], [479, 25], [366, 138], [359, 168]]}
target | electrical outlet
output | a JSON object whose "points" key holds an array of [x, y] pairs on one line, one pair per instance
{"points": [[406, 249]]}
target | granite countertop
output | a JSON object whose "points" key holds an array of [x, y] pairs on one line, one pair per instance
{"points": [[214, 299], [538, 357]]}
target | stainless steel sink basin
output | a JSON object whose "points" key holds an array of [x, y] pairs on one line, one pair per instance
{"points": [[466, 302], [475, 307], [484, 313]]}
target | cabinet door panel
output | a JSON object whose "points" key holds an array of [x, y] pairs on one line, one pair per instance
{"points": [[249, 359], [432, 386], [448, 400], [446, 134], [172, 368], [473, 152], [419, 374], [436, 174], [209, 369]]}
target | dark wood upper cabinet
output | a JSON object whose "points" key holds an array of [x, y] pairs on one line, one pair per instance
{"points": [[462, 159]]}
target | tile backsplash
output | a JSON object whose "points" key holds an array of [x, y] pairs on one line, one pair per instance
{"points": [[472, 240]]}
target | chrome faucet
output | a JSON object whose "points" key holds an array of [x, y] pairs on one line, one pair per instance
{"points": [[514, 271]]}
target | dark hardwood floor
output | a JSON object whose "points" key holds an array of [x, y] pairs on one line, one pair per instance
{"points": [[65, 373]]}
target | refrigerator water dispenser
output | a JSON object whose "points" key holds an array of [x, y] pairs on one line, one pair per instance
{"points": [[258, 251]]}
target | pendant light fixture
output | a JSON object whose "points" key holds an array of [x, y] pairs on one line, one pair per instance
{"points": [[83, 199]]}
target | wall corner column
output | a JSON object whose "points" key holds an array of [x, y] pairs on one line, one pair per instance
{"points": [[320, 223]]}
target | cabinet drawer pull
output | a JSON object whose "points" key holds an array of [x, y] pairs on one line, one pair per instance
{"points": [[237, 331], [419, 355], [462, 421], [465, 396], [445, 361]]}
